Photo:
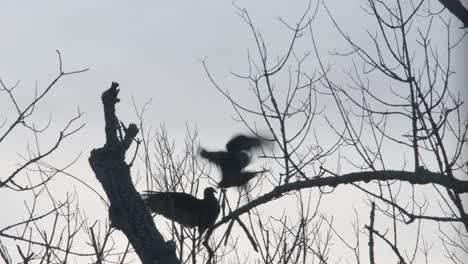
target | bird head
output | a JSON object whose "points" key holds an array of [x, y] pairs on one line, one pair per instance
{"points": [[209, 192], [241, 142]]}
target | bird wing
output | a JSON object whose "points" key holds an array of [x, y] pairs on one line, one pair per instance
{"points": [[216, 157], [232, 161], [182, 208]]}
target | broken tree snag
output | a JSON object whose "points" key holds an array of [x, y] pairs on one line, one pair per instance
{"points": [[127, 212]]}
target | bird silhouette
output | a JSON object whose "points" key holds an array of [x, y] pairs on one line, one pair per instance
{"points": [[184, 208], [233, 161]]}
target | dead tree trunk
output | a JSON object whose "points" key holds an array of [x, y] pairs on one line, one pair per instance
{"points": [[127, 211]]}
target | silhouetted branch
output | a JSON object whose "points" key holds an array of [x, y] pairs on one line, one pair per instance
{"points": [[419, 178], [457, 8], [249, 236], [394, 248], [371, 235], [23, 114], [62, 135]]}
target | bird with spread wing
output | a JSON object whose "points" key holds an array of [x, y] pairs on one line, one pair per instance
{"points": [[233, 161], [184, 208]]}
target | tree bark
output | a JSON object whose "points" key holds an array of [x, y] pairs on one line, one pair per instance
{"points": [[127, 211], [457, 8]]}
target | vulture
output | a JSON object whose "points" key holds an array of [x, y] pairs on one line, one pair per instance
{"points": [[184, 208], [233, 161]]}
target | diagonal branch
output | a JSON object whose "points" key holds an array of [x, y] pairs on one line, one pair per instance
{"points": [[457, 9], [421, 177]]}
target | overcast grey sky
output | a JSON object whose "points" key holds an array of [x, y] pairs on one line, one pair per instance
{"points": [[154, 50]]}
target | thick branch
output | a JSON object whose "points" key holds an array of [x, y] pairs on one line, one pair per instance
{"points": [[420, 177], [127, 211], [456, 8]]}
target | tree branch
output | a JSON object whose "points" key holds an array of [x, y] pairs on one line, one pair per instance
{"points": [[421, 177], [457, 9]]}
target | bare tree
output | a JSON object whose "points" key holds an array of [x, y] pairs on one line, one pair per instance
{"points": [[52, 229], [391, 132], [47, 231], [402, 57]]}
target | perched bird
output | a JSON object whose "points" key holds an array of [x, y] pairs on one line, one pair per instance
{"points": [[184, 208], [233, 161]]}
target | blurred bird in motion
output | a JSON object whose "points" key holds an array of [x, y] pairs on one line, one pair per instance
{"points": [[233, 161], [184, 208]]}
